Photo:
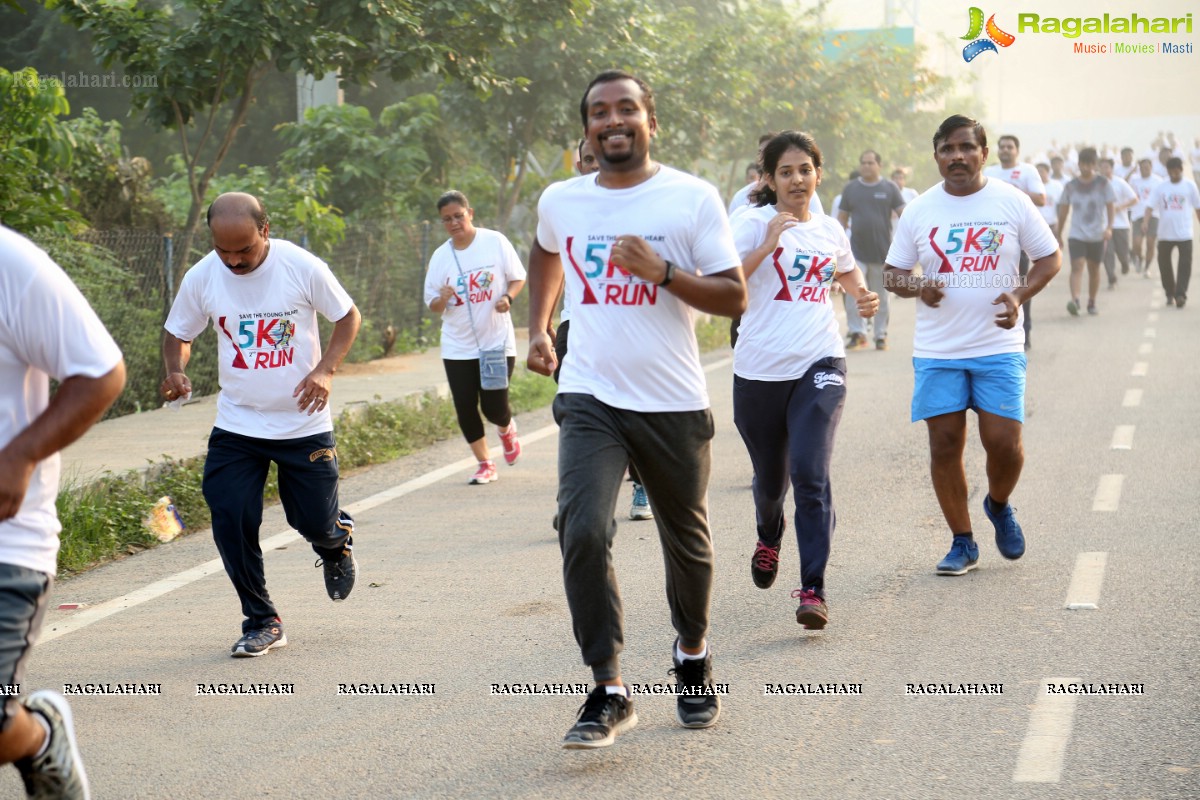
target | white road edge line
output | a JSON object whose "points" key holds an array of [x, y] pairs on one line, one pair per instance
{"points": [[1084, 592], [180, 579], [1123, 437], [1108, 493], [1044, 748]]}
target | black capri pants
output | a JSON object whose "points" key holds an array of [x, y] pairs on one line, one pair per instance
{"points": [[470, 397]]}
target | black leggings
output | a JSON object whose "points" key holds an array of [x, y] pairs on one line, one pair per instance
{"points": [[470, 397]]}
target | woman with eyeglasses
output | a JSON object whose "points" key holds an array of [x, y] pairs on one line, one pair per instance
{"points": [[471, 282]]}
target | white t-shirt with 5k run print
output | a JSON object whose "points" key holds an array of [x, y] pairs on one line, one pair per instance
{"points": [[488, 265], [789, 324], [973, 246], [267, 337], [633, 344]]}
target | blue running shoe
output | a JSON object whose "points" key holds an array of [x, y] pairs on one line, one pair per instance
{"points": [[1010, 541], [640, 509], [962, 558]]}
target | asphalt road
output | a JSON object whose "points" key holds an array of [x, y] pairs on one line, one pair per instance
{"points": [[460, 587]]}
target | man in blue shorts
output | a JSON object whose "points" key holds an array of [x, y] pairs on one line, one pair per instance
{"points": [[967, 235]]}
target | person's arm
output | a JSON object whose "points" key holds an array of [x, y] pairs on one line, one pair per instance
{"points": [[902, 283], [79, 402], [438, 304], [313, 391], [545, 278], [1063, 209], [506, 300], [855, 285], [176, 355], [844, 218], [722, 293], [754, 259], [1108, 207], [1040, 273]]}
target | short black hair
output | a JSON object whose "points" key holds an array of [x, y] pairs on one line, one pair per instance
{"points": [[1016, 142], [452, 196], [1088, 155], [608, 76], [954, 122], [1174, 162], [878, 158]]}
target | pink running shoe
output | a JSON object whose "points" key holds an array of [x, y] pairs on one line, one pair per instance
{"points": [[512, 445], [485, 474]]}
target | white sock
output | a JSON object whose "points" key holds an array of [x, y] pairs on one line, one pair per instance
{"points": [[45, 723], [682, 656], [618, 689]]}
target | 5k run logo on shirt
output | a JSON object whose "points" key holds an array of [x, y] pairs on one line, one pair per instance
{"points": [[975, 248], [813, 271], [605, 283], [267, 339]]}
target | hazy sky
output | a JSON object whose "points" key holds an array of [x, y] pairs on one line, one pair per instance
{"points": [[1039, 88]]}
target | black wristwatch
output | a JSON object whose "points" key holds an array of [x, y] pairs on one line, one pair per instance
{"points": [[669, 274], [509, 297]]}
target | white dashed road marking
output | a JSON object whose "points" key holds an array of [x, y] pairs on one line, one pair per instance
{"points": [[1108, 493], [1045, 745], [1123, 437], [1084, 592]]}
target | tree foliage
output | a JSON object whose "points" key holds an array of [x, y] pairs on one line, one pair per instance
{"points": [[35, 153], [212, 54]]}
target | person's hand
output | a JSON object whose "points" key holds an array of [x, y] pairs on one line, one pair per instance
{"points": [[867, 305], [542, 358], [1007, 317], [503, 304], [931, 293], [445, 291], [778, 224], [313, 391], [175, 386], [635, 255], [15, 474], [1107, 234]]}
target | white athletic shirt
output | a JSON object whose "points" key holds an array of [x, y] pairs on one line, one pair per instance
{"points": [[633, 344], [1143, 187], [1023, 176], [489, 265], [973, 244], [267, 337], [1174, 204], [1124, 193], [1054, 190], [47, 330], [789, 323]]}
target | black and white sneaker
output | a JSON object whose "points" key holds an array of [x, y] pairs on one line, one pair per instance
{"points": [[58, 772], [601, 717], [258, 642], [341, 569], [697, 704]]}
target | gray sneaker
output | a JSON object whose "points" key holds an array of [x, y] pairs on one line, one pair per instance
{"points": [[261, 641], [58, 773]]}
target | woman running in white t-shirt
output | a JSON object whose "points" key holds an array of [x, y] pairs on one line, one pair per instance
{"points": [[471, 282], [789, 365]]}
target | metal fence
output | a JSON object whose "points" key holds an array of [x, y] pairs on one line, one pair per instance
{"points": [[127, 275]]}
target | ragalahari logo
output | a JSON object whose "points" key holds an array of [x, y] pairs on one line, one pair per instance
{"points": [[995, 36]]}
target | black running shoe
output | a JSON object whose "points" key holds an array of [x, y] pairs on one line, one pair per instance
{"points": [[697, 704], [764, 564], [601, 717], [258, 642], [341, 569]]}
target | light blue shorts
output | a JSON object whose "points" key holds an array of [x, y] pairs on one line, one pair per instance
{"points": [[995, 384]]}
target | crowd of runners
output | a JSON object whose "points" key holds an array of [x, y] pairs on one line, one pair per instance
{"points": [[630, 249]]}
